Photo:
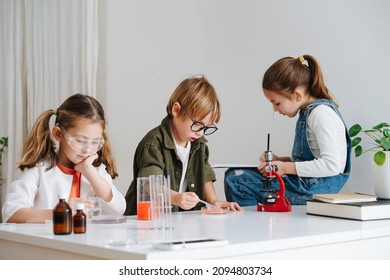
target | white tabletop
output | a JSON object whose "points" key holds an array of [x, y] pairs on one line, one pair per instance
{"points": [[251, 234]]}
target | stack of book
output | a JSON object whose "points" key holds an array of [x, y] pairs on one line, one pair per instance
{"points": [[353, 206]]}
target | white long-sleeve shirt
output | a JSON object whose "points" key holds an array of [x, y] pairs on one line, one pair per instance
{"points": [[37, 188], [327, 140]]}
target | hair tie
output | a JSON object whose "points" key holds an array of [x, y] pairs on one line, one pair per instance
{"points": [[303, 61], [54, 111]]}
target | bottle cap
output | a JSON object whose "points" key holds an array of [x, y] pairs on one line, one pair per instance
{"points": [[62, 196], [80, 206]]}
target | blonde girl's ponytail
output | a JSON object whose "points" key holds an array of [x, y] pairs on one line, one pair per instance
{"points": [[39, 145]]}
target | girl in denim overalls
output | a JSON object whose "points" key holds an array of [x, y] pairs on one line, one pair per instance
{"points": [[321, 155]]}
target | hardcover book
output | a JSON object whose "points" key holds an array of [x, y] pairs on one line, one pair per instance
{"points": [[363, 211], [233, 165], [344, 197]]}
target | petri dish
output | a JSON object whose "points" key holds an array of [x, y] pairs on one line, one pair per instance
{"points": [[222, 210]]}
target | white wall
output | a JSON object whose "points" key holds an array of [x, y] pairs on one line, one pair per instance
{"points": [[147, 47]]}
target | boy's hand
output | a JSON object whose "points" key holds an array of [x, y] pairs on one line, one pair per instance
{"points": [[186, 200], [233, 206]]}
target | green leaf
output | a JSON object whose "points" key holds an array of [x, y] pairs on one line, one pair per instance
{"points": [[4, 141], [386, 133], [385, 143], [380, 158], [358, 151], [354, 130], [356, 141], [381, 125]]}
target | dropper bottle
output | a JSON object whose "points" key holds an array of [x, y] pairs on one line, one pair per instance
{"points": [[80, 220]]}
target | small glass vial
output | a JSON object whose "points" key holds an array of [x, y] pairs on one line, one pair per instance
{"points": [[62, 216], [80, 220]]}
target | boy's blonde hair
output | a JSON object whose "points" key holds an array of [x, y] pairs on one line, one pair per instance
{"points": [[197, 97]]}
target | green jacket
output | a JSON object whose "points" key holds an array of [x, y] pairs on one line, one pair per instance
{"points": [[157, 152]]}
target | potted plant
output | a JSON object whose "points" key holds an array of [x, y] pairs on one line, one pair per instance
{"points": [[380, 136], [3, 145], [379, 145]]}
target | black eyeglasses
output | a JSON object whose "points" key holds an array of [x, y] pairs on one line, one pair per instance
{"points": [[198, 126]]}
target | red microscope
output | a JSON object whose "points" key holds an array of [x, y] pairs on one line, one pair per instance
{"points": [[275, 202]]}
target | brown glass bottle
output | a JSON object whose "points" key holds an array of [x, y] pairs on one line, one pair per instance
{"points": [[62, 216], [80, 220]]}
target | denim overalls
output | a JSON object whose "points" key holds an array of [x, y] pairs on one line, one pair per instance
{"points": [[246, 186]]}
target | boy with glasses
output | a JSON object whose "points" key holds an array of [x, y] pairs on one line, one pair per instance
{"points": [[178, 147]]}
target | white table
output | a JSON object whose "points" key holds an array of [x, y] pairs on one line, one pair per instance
{"points": [[251, 235]]}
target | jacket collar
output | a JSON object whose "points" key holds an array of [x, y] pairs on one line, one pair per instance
{"points": [[169, 142]]}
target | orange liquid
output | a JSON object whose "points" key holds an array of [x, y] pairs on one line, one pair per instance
{"points": [[143, 210]]}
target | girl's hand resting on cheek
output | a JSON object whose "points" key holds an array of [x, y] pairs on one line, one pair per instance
{"points": [[86, 163]]}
